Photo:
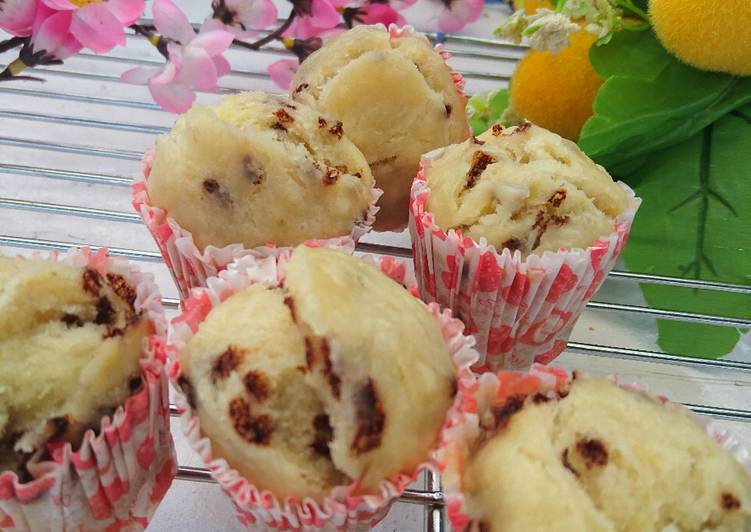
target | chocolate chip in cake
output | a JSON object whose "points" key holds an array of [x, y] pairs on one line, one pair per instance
{"points": [[253, 429], [497, 129], [540, 398], [337, 129], [323, 435], [92, 281], [105, 313], [283, 116], [593, 451], [278, 126], [730, 502], [567, 464], [309, 353], [212, 187], [226, 363], [331, 176], [187, 387], [448, 109], [358, 175], [480, 161], [257, 385], [335, 383], [557, 198], [503, 413], [291, 305], [322, 122], [559, 220], [121, 287], [71, 320], [370, 418], [524, 127], [253, 170], [477, 141], [301, 87]]}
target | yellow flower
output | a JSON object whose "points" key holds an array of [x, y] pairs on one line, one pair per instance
{"points": [[530, 6], [706, 34], [556, 91]]}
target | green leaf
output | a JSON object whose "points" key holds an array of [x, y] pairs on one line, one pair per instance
{"points": [[694, 223], [488, 108], [651, 101]]}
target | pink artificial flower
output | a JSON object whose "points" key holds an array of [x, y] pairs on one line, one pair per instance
{"points": [[243, 16], [455, 14], [99, 26], [282, 72], [313, 17], [372, 14], [51, 37], [195, 60], [17, 16]]}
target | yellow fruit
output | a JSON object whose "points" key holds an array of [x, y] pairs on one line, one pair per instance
{"points": [[530, 6], [556, 91], [706, 34]]}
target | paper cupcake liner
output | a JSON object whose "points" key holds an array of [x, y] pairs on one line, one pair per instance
{"points": [[190, 268], [520, 311], [463, 426], [342, 509], [115, 480]]}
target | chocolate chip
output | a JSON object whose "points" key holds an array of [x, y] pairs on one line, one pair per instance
{"points": [[730, 502], [337, 129], [567, 464], [289, 106], [480, 161], [497, 129], [503, 413], [105, 313], [524, 127], [257, 385], [539, 398], [323, 435], [335, 383], [301, 87], [253, 429], [331, 176], [71, 320], [559, 220], [477, 141], [291, 305], [187, 387], [278, 126], [513, 244], [322, 122], [448, 110], [370, 418], [212, 187], [309, 353], [121, 287], [557, 198], [226, 363], [358, 175], [283, 116], [593, 451], [539, 219], [91, 281], [253, 170]]}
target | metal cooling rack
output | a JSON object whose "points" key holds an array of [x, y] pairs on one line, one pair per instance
{"points": [[69, 148]]}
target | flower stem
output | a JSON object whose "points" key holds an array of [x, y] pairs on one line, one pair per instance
{"points": [[159, 42], [11, 43], [629, 5], [270, 37]]}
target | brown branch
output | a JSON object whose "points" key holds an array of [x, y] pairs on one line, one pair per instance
{"points": [[270, 37], [12, 43]]}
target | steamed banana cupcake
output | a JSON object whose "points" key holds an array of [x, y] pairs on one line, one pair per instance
{"points": [[590, 455], [524, 188], [336, 376], [515, 230], [397, 99], [70, 344], [256, 169]]}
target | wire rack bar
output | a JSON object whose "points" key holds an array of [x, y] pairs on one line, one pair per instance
{"points": [[666, 314], [55, 95], [87, 122], [118, 216], [65, 175], [70, 148]]}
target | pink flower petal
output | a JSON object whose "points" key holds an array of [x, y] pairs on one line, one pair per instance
{"points": [[304, 28], [140, 75], [462, 12], [171, 22], [282, 72], [383, 13], [221, 64], [97, 29], [69, 47], [17, 16], [60, 5], [213, 42], [126, 11], [175, 98], [51, 31], [257, 14], [324, 15], [198, 70]]}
